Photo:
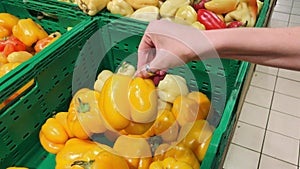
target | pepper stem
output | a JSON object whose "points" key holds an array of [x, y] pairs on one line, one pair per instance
{"points": [[84, 164], [83, 107]]}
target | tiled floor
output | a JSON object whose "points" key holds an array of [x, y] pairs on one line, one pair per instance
{"points": [[268, 130]]}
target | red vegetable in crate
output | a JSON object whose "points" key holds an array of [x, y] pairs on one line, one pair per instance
{"points": [[12, 44], [210, 20], [41, 44], [199, 4], [236, 24]]}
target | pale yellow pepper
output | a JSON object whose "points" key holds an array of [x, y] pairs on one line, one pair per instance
{"points": [[148, 13], [120, 7], [170, 7], [170, 163], [186, 14], [137, 4], [198, 25], [221, 6], [91, 7]]}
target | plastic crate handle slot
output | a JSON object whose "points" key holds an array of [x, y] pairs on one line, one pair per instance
{"points": [[17, 95]]}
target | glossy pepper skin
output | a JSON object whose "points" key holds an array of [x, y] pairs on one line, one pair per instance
{"points": [[10, 45], [210, 20], [76, 150], [7, 21], [41, 44], [170, 163], [28, 31]]}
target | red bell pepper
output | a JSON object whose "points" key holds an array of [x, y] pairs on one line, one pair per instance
{"points": [[236, 24], [210, 20], [12, 44], [199, 4]]}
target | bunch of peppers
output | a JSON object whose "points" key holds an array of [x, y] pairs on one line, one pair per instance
{"points": [[20, 40], [151, 126], [202, 14]]}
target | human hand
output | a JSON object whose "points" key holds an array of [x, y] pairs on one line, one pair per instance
{"points": [[166, 44]]}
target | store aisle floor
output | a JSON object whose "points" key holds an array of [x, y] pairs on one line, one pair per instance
{"points": [[268, 129]]}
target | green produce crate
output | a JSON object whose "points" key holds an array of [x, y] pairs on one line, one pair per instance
{"points": [[59, 21], [75, 61]]}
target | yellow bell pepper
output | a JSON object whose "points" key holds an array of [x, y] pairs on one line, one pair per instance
{"points": [[28, 31], [91, 7], [126, 69], [103, 160], [137, 128], [77, 150], [7, 21], [171, 87], [259, 6], [169, 7], [202, 100], [114, 103], [137, 4], [221, 6], [120, 7], [86, 108], [101, 78], [142, 100], [246, 12], [196, 136], [165, 126], [186, 14], [186, 110], [182, 154], [147, 13], [198, 25], [17, 168], [19, 56], [170, 163], [132, 146]]}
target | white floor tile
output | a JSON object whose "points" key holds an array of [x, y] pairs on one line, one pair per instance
{"points": [[293, 18], [288, 87], [296, 3], [291, 24], [281, 16], [295, 10], [266, 69], [254, 115], [259, 96], [275, 23], [267, 162], [240, 158], [289, 74], [283, 8], [285, 2], [286, 104], [284, 124], [263, 80], [281, 147], [244, 133]]}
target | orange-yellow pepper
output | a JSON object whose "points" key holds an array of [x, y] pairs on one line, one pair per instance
{"points": [[180, 153], [196, 136], [113, 102], [28, 31], [77, 150], [143, 100], [85, 105], [170, 163], [7, 21], [41, 44]]}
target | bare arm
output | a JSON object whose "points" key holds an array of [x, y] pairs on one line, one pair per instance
{"points": [[278, 47]]}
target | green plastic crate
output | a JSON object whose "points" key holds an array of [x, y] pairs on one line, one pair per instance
{"points": [[58, 74], [59, 22]]}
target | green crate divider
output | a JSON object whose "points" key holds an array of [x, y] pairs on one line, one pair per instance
{"points": [[55, 81]]}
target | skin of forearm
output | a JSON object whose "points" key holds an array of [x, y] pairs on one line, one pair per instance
{"points": [[278, 47]]}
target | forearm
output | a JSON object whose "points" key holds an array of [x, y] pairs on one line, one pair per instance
{"points": [[279, 47]]}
